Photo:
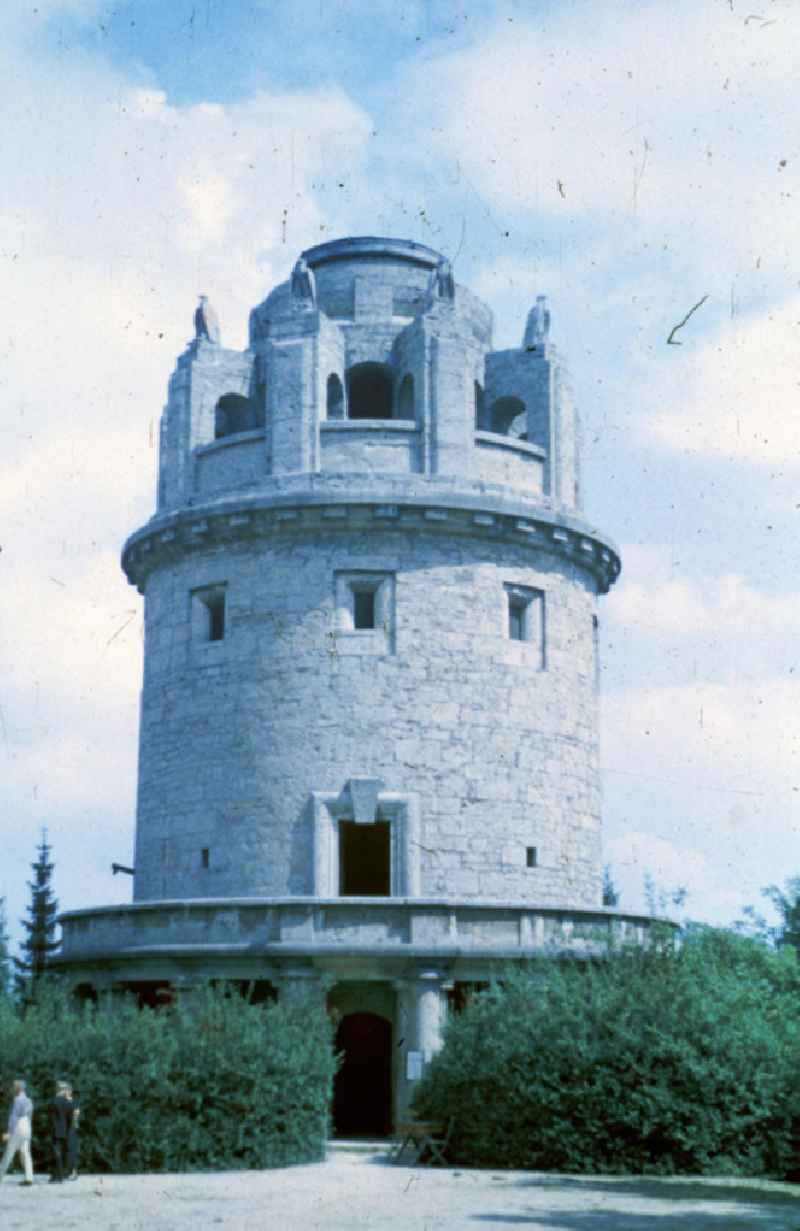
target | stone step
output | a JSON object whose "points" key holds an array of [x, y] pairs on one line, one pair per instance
{"points": [[359, 1145]]}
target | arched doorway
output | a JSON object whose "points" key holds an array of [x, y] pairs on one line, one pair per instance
{"points": [[362, 1092]]}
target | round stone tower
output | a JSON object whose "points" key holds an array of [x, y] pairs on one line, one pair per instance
{"points": [[369, 715]]}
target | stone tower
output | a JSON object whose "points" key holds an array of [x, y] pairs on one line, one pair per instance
{"points": [[369, 716]]}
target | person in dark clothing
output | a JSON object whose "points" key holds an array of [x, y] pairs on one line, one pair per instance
{"points": [[73, 1140], [60, 1124]]}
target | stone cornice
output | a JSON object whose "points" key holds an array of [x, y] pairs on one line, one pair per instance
{"points": [[304, 505]]}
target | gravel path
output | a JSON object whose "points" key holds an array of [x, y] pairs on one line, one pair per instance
{"points": [[354, 1190]]}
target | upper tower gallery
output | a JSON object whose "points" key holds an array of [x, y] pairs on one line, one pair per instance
{"points": [[370, 361], [368, 563]]}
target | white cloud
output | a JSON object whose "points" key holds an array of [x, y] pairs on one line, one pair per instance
{"points": [[733, 735], [738, 393], [634, 855], [681, 606], [645, 113]]}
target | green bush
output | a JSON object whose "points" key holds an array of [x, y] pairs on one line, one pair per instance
{"points": [[680, 1059], [217, 1083]]}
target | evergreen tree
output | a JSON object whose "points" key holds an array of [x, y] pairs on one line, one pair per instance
{"points": [[610, 893], [5, 959], [40, 926]]}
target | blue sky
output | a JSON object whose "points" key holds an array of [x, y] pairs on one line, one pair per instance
{"points": [[627, 158]]}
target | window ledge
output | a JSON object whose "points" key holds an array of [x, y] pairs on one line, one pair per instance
{"points": [[236, 438], [498, 441], [371, 425]]}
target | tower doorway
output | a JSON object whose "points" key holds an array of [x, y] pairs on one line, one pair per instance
{"points": [[365, 861], [362, 1090]]}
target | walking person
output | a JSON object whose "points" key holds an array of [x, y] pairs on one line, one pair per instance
{"points": [[60, 1123], [73, 1140], [18, 1137]]}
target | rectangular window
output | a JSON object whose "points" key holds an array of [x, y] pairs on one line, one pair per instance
{"points": [[531, 857], [365, 862], [204, 857], [363, 608], [364, 620], [525, 616], [516, 620], [216, 617], [209, 614]]}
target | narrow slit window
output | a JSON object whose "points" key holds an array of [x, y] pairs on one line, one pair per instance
{"points": [[525, 614], [205, 860], [531, 857], [216, 617], [364, 609], [209, 614], [516, 619]]}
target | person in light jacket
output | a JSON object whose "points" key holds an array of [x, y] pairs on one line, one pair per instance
{"points": [[18, 1137]]}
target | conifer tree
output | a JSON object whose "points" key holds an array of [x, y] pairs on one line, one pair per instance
{"points": [[40, 926], [5, 958], [610, 893]]}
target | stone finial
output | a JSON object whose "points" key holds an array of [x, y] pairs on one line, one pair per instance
{"points": [[537, 327], [304, 288], [364, 798], [206, 323]]}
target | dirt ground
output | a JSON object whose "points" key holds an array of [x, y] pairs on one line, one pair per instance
{"points": [[354, 1190]]}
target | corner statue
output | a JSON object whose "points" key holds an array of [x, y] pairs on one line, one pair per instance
{"points": [[442, 283], [304, 288], [206, 324], [537, 326]]}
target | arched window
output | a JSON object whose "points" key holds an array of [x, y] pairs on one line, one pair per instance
{"points": [[405, 399], [481, 424], [369, 391], [335, 398], [508, 417], [233, 413]]}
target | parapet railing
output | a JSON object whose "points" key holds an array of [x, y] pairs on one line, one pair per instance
{"points": [[385, 924]]}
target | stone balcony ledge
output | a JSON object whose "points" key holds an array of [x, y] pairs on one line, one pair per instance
{"points": [[409, 927]]}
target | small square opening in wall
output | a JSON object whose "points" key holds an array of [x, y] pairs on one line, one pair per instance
{"points": [[531, 857], [525, 618], [209, 613], [205, 858], [365, 612]]}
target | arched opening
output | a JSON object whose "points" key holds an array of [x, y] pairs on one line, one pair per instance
{"points": [[369, 391], [481, 424], [232, 414], [405, 398], [508, 417], [335, 398], [362, 1090]]}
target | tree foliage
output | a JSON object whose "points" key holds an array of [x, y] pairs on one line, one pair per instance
{"points": [[216, 1083], [681, 1058], [610, 891], [40, 941], [5, 956]]}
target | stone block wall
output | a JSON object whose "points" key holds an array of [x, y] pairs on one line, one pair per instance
{"points": [[237, 733]]}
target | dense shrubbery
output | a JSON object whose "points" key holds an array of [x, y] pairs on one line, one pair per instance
{"points": [[218, 1084], [682, 1059]]}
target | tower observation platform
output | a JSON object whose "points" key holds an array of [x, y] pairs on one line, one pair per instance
{"points": [[369, 719]]}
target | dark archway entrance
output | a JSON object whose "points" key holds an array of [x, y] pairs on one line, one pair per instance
{"points": [[362, 1092]]}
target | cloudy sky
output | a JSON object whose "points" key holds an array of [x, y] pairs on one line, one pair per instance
{"points": [[629, 158]]}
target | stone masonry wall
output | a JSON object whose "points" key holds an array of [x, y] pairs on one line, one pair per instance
{"points": [[236, 734]]}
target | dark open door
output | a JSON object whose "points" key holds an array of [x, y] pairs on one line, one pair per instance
{"points": [[365, 863], [362, 1092]]}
